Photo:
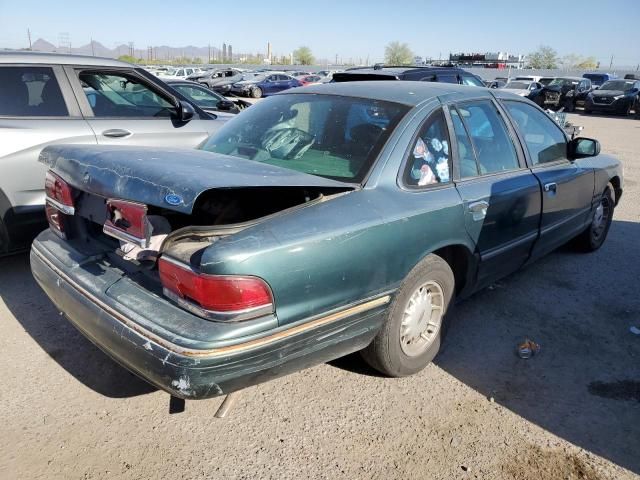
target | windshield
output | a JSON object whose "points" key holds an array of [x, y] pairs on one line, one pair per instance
{"points": [[617, 85], [563, 82], [470, 80], [517, 85], [329, 136]]}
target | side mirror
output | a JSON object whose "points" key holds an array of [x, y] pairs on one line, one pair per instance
{"points": [[185, 111], [225, 105], [583, 147]]}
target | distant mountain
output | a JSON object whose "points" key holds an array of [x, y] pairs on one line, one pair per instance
{"points": [[43, 46], [97, 49]]}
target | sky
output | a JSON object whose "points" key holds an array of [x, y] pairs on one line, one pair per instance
{"points": [[351, 29]]}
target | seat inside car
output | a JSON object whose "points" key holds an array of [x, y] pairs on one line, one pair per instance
{"points": [[15, 100]]}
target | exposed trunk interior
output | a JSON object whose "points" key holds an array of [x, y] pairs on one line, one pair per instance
{"points": [[216, 214]]}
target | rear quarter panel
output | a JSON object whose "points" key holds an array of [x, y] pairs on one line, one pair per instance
{"points": [[341, 251]]}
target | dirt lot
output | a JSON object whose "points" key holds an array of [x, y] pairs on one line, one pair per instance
{"points": [[572, 412]]}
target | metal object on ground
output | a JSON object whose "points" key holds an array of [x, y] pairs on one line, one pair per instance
{"points": [[176, 405], [528, 348], [227, 405]]}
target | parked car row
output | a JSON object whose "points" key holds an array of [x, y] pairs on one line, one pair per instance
{"points": [[207, 270], [593, 92]]}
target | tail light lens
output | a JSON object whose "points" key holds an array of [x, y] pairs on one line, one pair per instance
{"points": [[217, 297], [59, 193], [59, 202]]}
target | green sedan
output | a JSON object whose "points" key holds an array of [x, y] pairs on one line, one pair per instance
{"points": [[332, 219]]}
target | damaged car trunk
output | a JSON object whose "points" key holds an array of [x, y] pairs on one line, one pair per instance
{"points": [[182, 205]]}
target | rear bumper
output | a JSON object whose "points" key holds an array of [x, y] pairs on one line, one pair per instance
{"points": [[195, 372]]}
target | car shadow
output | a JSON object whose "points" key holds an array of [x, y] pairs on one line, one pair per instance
{"points": [[58, 338], [584, 384]]}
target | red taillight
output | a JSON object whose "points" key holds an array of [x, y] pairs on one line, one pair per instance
{"points": [[56, 220], [59, 193], [229, 297], [128, 221]]}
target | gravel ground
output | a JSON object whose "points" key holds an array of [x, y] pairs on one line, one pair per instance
{"points": [[571, 412]]}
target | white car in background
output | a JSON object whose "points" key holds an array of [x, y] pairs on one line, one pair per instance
{"points": [[521, 87], [179, 73]]}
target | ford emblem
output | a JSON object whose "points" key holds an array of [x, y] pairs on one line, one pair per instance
{"points": [[173, 199]]}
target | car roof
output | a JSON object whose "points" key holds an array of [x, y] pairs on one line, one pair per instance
{"points": [[398, 70], [58, 59], [176, 81], [406, 92]]}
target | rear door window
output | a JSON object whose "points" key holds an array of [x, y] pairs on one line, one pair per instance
{"points": [[491, 141], [30, 92], [447, 78]]}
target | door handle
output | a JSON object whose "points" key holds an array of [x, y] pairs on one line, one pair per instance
{"points": [[550, 187], [478, 209], [116, 133]]}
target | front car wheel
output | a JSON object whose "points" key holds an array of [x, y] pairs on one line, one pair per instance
{"points": [[596, 233]]}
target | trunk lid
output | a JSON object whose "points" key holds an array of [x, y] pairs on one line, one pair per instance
{"points": [[167, 178]]}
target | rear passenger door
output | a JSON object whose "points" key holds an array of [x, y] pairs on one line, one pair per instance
{"points": [[123, 108], [567, 187], [37, 108], [500, 195]]}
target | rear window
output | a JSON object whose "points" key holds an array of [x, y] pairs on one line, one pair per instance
{"points": [[329, 136], [30, 92]]}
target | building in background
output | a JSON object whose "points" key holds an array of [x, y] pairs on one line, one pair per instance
{"points": [[230, 53], [224, 52], [487, 60]]}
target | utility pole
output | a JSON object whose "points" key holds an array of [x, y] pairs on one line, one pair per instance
{"points": [[611, 62], [29, 36]]}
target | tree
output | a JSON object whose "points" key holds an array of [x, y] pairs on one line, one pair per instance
{"points": [[396, 53], [588, 63], [544, 57], [303, 56], [127, 58], [571, 61]]}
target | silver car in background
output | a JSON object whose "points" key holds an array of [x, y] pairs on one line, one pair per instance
{"points": [[53, 98]]}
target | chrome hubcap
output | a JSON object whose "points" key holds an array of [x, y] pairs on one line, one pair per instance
{"points": [[600, 218], [422, 319]]}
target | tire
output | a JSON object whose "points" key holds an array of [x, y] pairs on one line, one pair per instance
{"points": [[399, 349], [256, 92], [569, 106], [596, 233], [4, 239]]}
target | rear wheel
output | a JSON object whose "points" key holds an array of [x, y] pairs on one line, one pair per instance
{"points": [[4, 238], [256, 92], [415, 325], [595, 235]]}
